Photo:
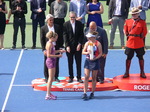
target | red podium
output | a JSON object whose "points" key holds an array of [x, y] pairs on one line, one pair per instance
{"points": [[133, 83], [39, 84]]}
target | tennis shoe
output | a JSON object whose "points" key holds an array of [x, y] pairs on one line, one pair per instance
{"points": [[84, 96], [91, 96], [50, 97]]}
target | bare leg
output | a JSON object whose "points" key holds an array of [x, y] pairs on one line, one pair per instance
{"points": [[1, 41], [87, 75], [94, 76], [50, 80]]}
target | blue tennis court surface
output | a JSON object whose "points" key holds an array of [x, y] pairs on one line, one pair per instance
{"points": [[19, 67]]}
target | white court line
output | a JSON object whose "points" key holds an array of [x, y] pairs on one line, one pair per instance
{"points": [[21, 85], [12, 81]]}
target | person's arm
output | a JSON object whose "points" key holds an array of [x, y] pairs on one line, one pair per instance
{"points": [[80, 41], [65, 35], [4, 11], [52, 8], [13, 11], [85, 51], [144, 29], [127, 9], [105, 42], [32, 7], [66, 9], [126, 28], [110, 11], [24, 9], [99, 46], [84, 10], [48, 50], [71, 6], [44, 6], [42, 38], [101, 10], [145, 5]]}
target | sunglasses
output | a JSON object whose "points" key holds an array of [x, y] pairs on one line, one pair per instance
{"points": [[72, 17]]}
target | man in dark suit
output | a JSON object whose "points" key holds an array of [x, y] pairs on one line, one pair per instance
{"points": [[50, 26], [73, 37], [102, 38], [38, 8]]}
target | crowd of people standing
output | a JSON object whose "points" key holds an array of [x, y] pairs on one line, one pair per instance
{"points": [[92, 8], [56, 34]]}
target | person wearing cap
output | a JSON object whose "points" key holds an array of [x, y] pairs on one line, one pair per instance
{"points": [[135, 30], [50, 26], [141, 5], [102, 38], [38, 8], [93, 51], [73, 38]]}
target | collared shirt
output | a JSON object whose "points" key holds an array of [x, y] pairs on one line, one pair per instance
{"points": [[73, 26], [59, 9], [118, 7], [140, 28], [51, 29], [38, 2]]}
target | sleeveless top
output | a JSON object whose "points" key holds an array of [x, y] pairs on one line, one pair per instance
{"points": [[51, 62], [2, 15], [52, 49], [94, 17]]}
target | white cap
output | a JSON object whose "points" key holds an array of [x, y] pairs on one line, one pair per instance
{"points": [[90, 35], [48, 17], [135, 10]]}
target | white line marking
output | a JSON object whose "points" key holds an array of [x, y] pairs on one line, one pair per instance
{"points": [[12, 81], [21, 85]]}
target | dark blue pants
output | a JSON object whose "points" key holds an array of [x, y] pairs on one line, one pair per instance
{"points": [[35, 23]]}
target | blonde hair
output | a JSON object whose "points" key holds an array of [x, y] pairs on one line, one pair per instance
{"points": [[51, 34], [94, 33]]}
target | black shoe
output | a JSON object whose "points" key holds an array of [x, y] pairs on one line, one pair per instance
{"points": [[91, 96], [46, 80], [13, 47], [79, 80], [57, 80], [97, 80], [70, 80], [142, 75], [126, 75], [90, 80], [101, 81], [23, 47], [33, 47], [84, 96]]}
